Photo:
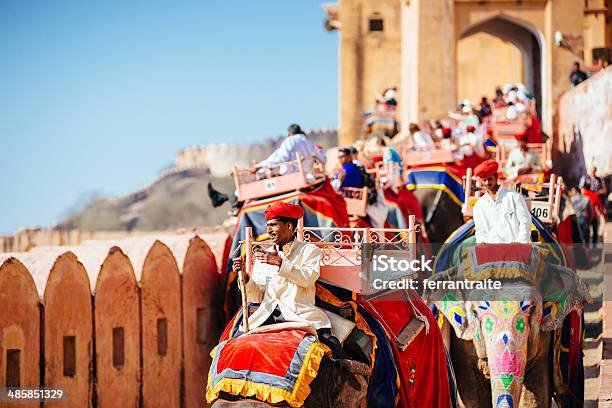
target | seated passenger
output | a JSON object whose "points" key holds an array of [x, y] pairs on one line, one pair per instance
{"points": [[420, 139], [349, 174], [382, 120], [288, 295], [446, 138], [296, 142], [521, 160]]}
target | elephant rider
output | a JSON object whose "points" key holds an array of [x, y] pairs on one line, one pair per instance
{"points": [[288, 293], [521, 160], [501, 215], [295, 142], [348, 174]]}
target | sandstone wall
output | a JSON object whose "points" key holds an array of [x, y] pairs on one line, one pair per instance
{"points": [[584, 128]]}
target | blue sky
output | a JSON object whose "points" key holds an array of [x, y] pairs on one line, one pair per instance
{"points": [[99, 96]]}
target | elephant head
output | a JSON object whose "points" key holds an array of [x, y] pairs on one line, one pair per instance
{"points": [[506, 325], [505, 334]]}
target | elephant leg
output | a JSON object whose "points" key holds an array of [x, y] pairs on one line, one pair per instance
{"points": [[474, 388], [537, 385]]}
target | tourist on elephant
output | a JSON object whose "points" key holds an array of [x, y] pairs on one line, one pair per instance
{"points": [[470, 142], [485, 108], [521, 160], [499, 100], [296, 142], [446, 138], [288, 294], [349, 174], [357, 152], [501, 215], [420, 139]]}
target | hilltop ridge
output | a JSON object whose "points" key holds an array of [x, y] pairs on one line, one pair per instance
{"points": [[177, 197]]}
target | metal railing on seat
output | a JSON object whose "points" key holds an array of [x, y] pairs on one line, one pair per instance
{"points": [[422, 157], [341, 262], [543, 200], [542, 150], [274, 180]]}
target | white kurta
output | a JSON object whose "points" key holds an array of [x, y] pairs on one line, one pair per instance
{"points": [[517, 159], [422, 141], [292, 289], [290, 147], [503, 220]]}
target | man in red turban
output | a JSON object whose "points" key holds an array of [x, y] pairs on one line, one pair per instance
{"points": [[500, 215], [284, 276], [521, 160]]}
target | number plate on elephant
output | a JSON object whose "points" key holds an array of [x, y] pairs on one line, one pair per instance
{"points": [[270, 185], [540, 209]]}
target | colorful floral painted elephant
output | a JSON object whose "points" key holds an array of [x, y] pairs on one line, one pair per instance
{"points": [[501, 340]]}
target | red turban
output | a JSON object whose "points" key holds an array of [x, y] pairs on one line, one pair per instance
{"points": [[283, 209], [470, 128], [521, 136], [446, 131], [486, 168]]}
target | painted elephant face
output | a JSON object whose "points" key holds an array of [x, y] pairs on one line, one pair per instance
{"points": [[503, 331], [507, 329]]}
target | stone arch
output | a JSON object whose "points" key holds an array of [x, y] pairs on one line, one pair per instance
{"points": [[532, 44]]}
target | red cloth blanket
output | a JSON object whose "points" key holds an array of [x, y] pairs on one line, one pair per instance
{"points": [[422, 370], [272, 367]]}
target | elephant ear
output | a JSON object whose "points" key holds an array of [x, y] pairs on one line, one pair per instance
{"points": [[452, 304], [457, 312], [535, 321], [562, 292]]}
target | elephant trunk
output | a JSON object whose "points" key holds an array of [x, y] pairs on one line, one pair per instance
{"points": [[507, 338], [507, 370]]}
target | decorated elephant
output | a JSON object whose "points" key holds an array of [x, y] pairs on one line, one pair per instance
{"points": [[442, 213], [507, 343], [393, 353]]}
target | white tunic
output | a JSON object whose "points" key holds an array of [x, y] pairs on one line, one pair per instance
{"points": [[503, 220], [289, 147], [292, 288], [517, 159], [422, 140]]}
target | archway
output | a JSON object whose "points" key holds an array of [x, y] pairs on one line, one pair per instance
{"points": [[512, 34]]}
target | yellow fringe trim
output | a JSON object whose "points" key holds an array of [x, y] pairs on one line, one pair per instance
{"points": [[269, 393], [503, 273]]}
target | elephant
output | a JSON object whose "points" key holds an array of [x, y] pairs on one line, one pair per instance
{"points": [[340, 383], [442, 214], [501, 341], [508, 362]]}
